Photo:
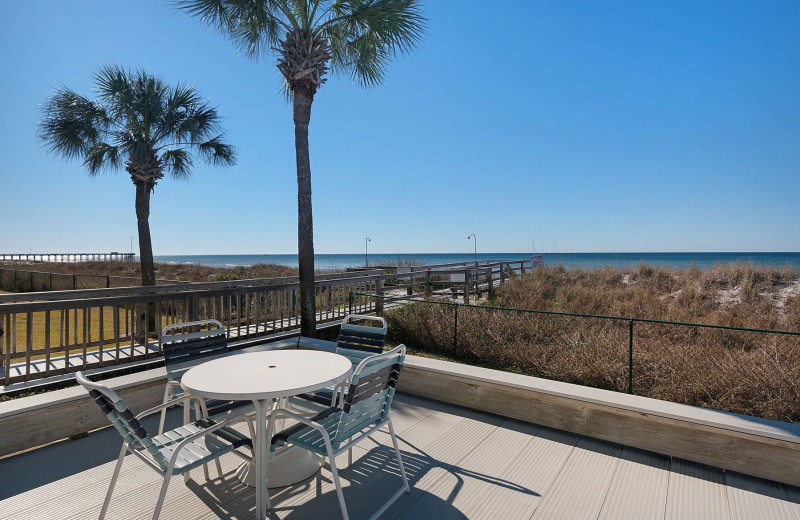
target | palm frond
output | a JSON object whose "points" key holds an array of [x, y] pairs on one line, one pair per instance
{"points": [[218, 152], [253, 25], [178, 162], [366, 35], [101, 156], [137, 118], [71, 123]]}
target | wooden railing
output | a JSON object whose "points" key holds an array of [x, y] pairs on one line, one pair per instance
{"points": [[55, 333]]}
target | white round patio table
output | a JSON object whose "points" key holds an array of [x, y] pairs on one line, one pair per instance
{"points": [[261, 377]]}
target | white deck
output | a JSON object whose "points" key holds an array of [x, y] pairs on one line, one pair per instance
{"points": [[461, 464]]}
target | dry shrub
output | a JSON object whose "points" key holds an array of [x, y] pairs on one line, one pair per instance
{"points": [[164, 271], [752, 373]]}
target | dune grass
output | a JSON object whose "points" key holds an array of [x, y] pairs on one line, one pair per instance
{"points": [[745, 372]]}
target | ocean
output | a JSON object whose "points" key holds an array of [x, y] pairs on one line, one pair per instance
{"points": [[568, 260]]}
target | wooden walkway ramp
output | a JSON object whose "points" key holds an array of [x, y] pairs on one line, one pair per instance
{"points": [[461, 464]]}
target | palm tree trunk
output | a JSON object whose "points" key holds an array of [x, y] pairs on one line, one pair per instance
{"points": [[302, 98], [145, 245]]}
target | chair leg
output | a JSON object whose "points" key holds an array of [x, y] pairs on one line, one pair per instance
{"points": [[338, 485], [113, 481], [350, 456], [163, 412], [162, 495], [399, 458]]}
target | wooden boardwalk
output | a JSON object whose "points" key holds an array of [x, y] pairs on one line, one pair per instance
{"points": [[461, 464]]}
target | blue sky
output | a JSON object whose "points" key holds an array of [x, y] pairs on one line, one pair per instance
{"points": [[556, 126]]}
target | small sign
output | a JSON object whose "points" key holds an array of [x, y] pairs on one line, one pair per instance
{"points": [[457, 277]]}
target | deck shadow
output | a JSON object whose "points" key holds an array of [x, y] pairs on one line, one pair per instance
{"points": [[65, 458]]}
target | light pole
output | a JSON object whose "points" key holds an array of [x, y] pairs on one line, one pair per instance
{"points": [[475, 239], [367, 240]]}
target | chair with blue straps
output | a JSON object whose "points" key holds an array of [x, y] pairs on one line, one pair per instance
{"points": [[175, 452], [356, 343], [364, 410], [186, 345]]}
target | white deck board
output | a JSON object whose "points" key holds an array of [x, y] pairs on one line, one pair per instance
{"points": [[696, 491], [639, 488], [460, 463], [757, 498], [580, 488]]}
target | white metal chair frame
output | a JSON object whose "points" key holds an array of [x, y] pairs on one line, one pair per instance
{"points": [[175, 371], [347, 347], [385, 420], [128, 446]]}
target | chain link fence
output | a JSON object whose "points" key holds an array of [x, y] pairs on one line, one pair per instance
{"points": [[736, 369]]}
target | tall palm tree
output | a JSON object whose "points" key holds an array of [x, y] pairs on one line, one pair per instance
{"points": [[139, 122], [309, 38]]}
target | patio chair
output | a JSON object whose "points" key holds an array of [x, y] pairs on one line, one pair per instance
{"points": [[356, 343], [184, 349], [175, 452], [364, 410]]}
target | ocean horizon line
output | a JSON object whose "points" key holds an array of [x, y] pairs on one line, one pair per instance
{"points": [[329, 261]]}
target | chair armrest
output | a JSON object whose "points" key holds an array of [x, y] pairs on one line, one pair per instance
{"points": [[191, 438], [168, 404], [298, 418]]}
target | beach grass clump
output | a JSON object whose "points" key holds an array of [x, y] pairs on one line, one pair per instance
{"points": [[131, 272], [753, 373]]}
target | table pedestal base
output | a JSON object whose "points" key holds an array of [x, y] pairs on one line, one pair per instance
{"points": [[295, 466]]}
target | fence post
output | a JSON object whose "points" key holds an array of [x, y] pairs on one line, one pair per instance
{"points": [[108, 281], [378, 295], [74, 281], [455, 330], [194, 309], [502, 276], [428, 285], [466, 286], [522, 267], [630, 357], [490, 276], [351, 302]]}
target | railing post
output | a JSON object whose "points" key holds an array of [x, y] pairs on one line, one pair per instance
{"points": [[466, 286], [379, 295], [455, 330], [428, 285], [522, 267], [630, 357], [350, 297], [502, 276], [74, 281], [490, 276], [108, 281], [194, 308]]}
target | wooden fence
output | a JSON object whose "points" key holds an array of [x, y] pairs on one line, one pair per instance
{"points": [[55, 333]]}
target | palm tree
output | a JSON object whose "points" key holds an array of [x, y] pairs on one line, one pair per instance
{"points": [[140, 122], [309, 38]]}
